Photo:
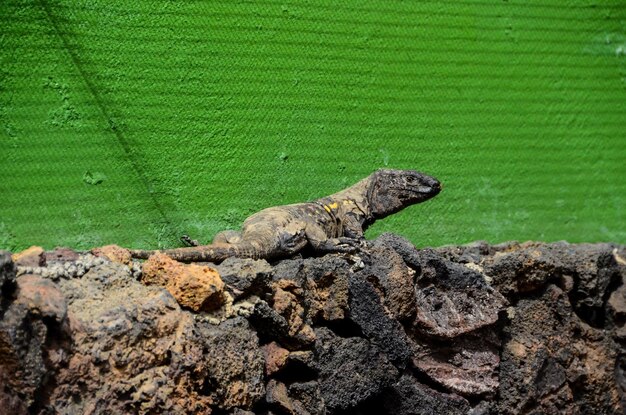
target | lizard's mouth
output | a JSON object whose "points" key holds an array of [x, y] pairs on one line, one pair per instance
{"points": [[433, 189], [422, 190]]}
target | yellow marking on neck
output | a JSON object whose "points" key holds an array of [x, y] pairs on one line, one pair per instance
{"points": [[333, 205], [327, 208]]}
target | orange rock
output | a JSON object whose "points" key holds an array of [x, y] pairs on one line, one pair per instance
{"points": [[328, 297], [197, 287], [30, 257], [113, 253], [288, 302]]}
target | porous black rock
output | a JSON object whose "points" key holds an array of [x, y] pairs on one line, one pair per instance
{"points": [[410, 397], [7, 276], [366, 310], [351, 370]]}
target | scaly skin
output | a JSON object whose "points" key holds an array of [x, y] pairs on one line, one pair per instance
{"points": [[335, 223]]}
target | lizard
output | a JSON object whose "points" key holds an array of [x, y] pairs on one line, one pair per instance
{"points": [[334, 223]]}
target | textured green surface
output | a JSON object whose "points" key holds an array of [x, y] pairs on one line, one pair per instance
{"points": [[132, 122]]}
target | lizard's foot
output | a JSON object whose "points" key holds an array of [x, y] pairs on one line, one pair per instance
{"points": [[341, 245], [188, 241]]}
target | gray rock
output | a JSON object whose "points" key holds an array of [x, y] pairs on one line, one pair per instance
{"points": [[244, 276]]}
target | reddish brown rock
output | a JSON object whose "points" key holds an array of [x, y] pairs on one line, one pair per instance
{"points": [[133, 345], [305, 293], [41, 297], [555, 363], [30, 257], [275, 357], [278, 396], [196, 287], [468, 366], [397, 280], [33, 342], [289, 303], [453, 299], [114, 253], [61, 255]]}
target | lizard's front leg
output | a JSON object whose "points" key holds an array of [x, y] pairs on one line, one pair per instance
{"points": [[322, 244], [291, 243], [353, 229]]}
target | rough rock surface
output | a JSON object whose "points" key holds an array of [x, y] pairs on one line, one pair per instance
{"points": [[114, 253], [514, 328], [197, 287]]}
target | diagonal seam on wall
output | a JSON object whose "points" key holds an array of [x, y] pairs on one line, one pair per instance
{"points": [[121, 139]]}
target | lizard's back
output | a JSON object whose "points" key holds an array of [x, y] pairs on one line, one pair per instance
{"points": [[290, 220]]}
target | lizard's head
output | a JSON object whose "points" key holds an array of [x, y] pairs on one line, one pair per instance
{"points": [[393, 190]]}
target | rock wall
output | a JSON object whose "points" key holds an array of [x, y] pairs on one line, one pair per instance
{"points": [[478, 329]]}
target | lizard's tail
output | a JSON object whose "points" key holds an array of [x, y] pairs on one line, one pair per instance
{"points": [[208, 253]]}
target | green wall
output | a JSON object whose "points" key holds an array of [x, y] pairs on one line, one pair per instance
{"points": [[133, 122]]}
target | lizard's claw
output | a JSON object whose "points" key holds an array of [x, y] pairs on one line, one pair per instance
{"points": [[351, 242], [344, 245], [345, 249]]}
